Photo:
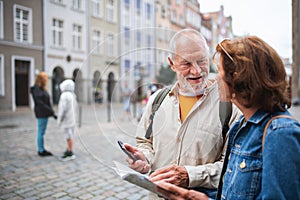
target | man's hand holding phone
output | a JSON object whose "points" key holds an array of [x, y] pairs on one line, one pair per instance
{"points": [[136, 160]]}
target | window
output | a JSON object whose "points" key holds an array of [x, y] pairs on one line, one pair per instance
{"points": [[77, 4], [126, 18], [58, 1], [57, 33], [149, 40], [22, 24], [193, 18], [110, 45], [148, 9], [163, 11], [127, 65], [97, 8], [96, 38], [174, 16], [127, 3], [181, 20], [1, 19], [126, 35], [138, 5], [110, 11], [138, 38], [77, 36], [2, 82]]}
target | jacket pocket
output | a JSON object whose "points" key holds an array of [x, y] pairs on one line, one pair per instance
{"points": [[246, 177]]}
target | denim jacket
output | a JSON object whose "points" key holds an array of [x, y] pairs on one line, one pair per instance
{"points": [[273, 173]]}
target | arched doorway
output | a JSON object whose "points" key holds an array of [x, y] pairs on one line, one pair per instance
{"points": [[77, 77], [97, 87], [57, 77]]}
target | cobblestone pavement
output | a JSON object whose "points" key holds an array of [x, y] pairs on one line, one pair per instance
{"points": [[24, 175]]}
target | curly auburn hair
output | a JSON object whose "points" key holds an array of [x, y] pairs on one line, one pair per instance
{"points": [[256, 73], [41, 80]]}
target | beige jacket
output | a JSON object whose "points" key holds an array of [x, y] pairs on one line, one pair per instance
{"points": [[196, 143]]}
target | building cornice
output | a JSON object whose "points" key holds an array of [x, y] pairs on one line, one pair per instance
{"points": [[22, 45]]}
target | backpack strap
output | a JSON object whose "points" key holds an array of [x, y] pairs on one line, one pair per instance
{"points": [[155, 105], [225, 112], [269, 122]]}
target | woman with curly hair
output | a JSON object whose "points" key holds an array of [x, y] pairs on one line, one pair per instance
{"points": [[42, 109]]}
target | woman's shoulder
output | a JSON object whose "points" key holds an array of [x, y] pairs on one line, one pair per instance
{"points": [[285, 124]]}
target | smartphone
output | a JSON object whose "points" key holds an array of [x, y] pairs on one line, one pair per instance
{"points": [[129, 154]]}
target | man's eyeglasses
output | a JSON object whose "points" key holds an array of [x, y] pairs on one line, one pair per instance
{"points": [[229, 56]]}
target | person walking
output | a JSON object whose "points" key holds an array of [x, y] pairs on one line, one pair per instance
{"points": [[42, 110], [186, 144], [262, 158], [126, 95], [67, 112]]}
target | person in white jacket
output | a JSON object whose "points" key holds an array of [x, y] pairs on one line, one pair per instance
{"points": [[67, 109]]}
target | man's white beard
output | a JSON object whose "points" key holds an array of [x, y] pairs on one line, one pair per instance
{"points": [[193, 90]]}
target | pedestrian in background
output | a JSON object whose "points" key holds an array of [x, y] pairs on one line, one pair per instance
{"points": [[42, 110], [126, 94], [262, 158], [67, 112], [153, 87]]}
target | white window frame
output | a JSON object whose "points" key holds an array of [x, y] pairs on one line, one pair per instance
{"points": [[110, 14], [77, 37], [77, 4], [58, 1], [139, 38], [126, 18], [2, 81], [96, 41], [138, 5], [23, 22], [110, 44], [97, 6], [174, 16], [57, 32], [127, 65], [1, 20], [148, 12]]}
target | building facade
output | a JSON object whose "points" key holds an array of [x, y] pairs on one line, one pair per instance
{"points": [[65, 33], [215, 27], [137, 44], [100, 44], [21, 51], [164, 33], [103, 45], [177, 14]]}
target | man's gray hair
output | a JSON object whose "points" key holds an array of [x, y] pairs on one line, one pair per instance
{"points": [[186, 34]]}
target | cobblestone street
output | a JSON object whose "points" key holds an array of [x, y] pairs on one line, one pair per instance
{"points": [[25, 175]]}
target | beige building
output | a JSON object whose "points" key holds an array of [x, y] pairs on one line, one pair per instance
{"points": [[215, 27], [192, 15], [177, 14], [164, 32], [103, 47]]}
